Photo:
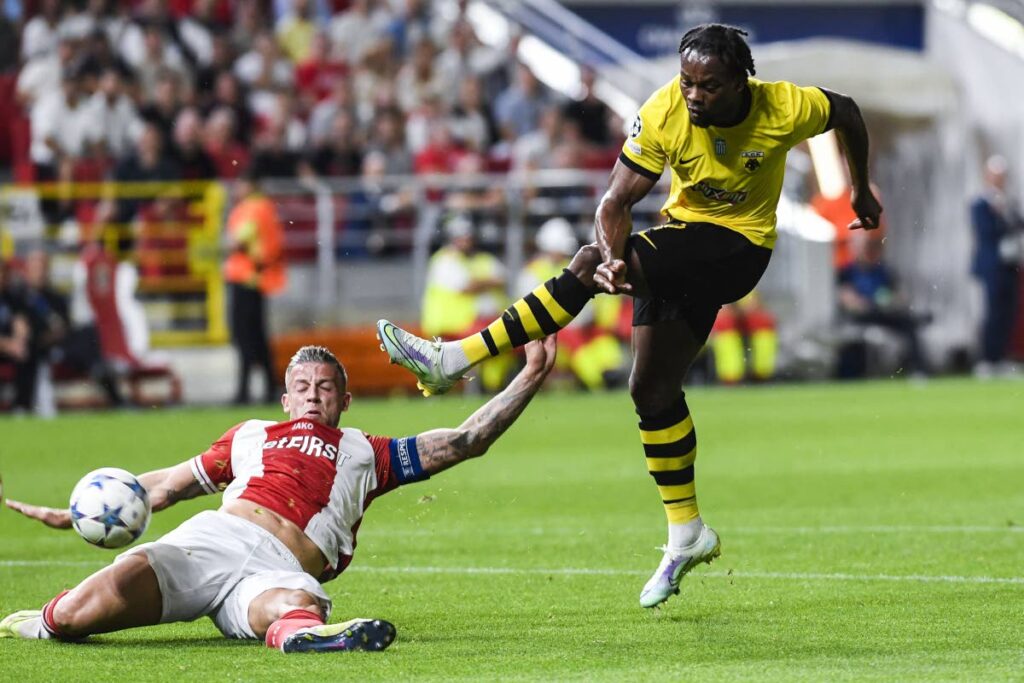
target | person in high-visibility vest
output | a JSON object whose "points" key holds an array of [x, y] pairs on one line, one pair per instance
{"points": [[745, 341], [465, 289], [254, 270], [588, 345]]}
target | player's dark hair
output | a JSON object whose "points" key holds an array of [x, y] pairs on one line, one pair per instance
{"points": [[724, 42], [317, 354]]}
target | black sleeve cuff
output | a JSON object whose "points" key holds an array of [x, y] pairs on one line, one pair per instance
{"points": [[831, 109], [637, 168]]}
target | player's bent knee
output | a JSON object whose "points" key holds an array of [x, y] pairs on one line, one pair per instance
{"points": [[651, 398], [273, 604]]}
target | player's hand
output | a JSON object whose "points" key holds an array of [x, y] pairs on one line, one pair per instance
{"points": [[868, 210], [540, 355], [611, 277], [51, 517]]}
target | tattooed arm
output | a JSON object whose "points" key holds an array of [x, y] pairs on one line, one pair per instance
{"points": [[442, 448]]}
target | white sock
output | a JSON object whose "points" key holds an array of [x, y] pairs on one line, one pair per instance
{"points": [[683, 535], [453, 359], [33, 629]]}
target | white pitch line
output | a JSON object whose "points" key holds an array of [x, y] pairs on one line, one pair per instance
{"points": [[751, 530], [784, 576], [583, 571], [880, 529]]}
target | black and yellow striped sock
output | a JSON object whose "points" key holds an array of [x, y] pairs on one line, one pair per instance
{"points": [[670, 445], [543, 311]]}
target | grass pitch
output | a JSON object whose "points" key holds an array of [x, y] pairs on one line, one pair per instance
{"points": [[870, 532]]}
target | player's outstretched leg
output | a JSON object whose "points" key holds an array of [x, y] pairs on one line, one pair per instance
{"points": [[547, 309], [124, 595], [664, 352]]}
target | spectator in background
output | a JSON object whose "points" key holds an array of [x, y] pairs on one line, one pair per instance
{"points": [[158, 61], [248, 23], [464, 56], [869, 295], [264, 70], [419, 81], [228, 92], [42, 74], [222, 60], [535, 150], [321, 118], [471, 121], [440, 154], [229, 156], [998, 245], [518, 108], [161, 110], [589, 113], [340, 152], [40, 35], [15, 334], [148, 163], [197, 30], [116, 113], [380, 216], [254, 269], [319, 75], [373, 75], [356, 30], [387, 138], [54, 338], [65, 131], [411, 23], [273, 158], [295, 30], [189, 153]]}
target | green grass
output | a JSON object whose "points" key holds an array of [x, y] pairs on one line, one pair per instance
{"points": [[824, 496]]}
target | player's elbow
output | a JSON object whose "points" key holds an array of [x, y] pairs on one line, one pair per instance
{"points": [[846, 113], [469, 443]]}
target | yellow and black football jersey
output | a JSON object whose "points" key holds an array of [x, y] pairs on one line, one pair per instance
{"points": [[728, 176]]}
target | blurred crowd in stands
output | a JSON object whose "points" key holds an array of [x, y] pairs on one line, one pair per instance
{"points": [[197, 89]]}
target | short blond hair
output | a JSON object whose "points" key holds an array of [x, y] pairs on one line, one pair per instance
{"points": [[317, 354]]}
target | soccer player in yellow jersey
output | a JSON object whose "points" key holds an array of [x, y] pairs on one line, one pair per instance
{"points": [[724, 135]]}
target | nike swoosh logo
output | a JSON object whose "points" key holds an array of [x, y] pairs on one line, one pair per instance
{"points": [[686, 161]]}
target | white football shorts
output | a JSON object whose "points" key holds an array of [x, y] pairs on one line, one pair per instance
{"points": [[215, 564]]}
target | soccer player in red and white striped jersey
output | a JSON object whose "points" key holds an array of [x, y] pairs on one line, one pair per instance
{"points": [[294, 495]]}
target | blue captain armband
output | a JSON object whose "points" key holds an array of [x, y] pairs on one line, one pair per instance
{"points": [[405, 461]]}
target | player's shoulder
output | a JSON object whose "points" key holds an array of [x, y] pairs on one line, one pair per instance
{"points": [[782, 96], [355, 441], [663, 100]]}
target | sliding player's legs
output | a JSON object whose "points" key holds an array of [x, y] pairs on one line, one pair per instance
{"points": [[545, 310], [124, 595]]}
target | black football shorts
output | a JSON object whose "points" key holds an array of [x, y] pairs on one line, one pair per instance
{"points": [[692, 270]]}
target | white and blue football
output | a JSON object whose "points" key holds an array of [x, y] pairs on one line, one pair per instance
{"points": [[110, 508]]}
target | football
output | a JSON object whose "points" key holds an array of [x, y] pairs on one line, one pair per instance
{"points": [[110, 508]]}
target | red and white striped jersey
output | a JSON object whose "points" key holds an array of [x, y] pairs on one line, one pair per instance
{"points": [[318, 477]]}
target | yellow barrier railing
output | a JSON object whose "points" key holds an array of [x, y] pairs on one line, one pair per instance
{"points": [[170, 230]]}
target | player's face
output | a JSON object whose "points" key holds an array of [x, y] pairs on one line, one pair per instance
{"points": [[714, 94], [315, 392]]}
